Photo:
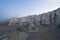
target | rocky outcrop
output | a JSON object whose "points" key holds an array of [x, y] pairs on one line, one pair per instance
{"points": [[36, 27]]}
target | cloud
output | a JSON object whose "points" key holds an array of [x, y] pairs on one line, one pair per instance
{"points": [[29, 8], [46, 6]]}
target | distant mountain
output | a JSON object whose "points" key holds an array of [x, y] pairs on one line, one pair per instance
{"points": [[2, 15], [2, 18]]}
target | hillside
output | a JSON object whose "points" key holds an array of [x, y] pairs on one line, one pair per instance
{"points": [[45, 26]]}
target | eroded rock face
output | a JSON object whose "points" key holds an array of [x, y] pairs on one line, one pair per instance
{"points": [[37, 27]]}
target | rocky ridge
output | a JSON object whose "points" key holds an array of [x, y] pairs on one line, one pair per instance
{"points": [[36, 27]]}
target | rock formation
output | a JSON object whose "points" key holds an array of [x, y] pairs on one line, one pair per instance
{"points": [[45, 26]]}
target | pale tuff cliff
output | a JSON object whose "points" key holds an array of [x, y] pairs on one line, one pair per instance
{"points": [[36, 27]]}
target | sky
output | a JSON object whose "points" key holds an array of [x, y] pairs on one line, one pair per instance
{"points": [[20, 8]]}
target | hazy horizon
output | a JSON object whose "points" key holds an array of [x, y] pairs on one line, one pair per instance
{"points": [[20, 8]]}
